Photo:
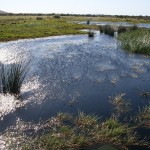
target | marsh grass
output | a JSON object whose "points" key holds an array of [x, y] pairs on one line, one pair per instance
{"points": [[107, 29], [91, 33], [122, 29], [81, 132], [12, 77], [73, 132], [144, 116], [110, 30], [136, 41], [121, 106], [38, 28]]}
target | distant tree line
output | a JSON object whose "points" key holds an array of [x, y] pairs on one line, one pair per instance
{"points": [[82, 15]]}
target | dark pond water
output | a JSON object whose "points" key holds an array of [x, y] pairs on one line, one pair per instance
{"points": [[75, 73], [145, 25]]}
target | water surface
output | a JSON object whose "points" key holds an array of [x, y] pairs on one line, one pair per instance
{"points": [[75, 73]]}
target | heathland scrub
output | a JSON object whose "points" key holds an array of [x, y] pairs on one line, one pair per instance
{"points": [[33, 28]]}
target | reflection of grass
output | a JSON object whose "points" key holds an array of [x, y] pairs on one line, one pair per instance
{"points": [[12, 77], [137, 41]]}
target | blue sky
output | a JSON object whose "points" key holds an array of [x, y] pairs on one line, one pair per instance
{"points": [[112, 7]]}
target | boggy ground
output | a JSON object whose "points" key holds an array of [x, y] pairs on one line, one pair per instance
{"points": [[68, 132]]}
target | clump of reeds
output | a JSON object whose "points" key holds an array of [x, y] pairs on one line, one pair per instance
{"points": [[12, 77], [137, 41], [143, 117], [122, 29], [107, 29], [91, 33], [120, 104], [134, 27], [39, 18], [88, 22]]}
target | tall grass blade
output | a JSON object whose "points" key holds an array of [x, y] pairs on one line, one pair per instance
{"points": [[12, 77]]}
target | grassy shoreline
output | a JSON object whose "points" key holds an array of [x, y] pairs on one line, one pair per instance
{"points": [[23, 29], [25, 26]]}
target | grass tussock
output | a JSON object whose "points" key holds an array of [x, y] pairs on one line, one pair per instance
{"points": [[123, 29], [91, 34], [12, 77], [136, 41], [144, 117], [107, 29], [121, 106]]}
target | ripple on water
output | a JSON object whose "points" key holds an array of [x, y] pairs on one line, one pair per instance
{"points": [[65, 64], [8, 104]]}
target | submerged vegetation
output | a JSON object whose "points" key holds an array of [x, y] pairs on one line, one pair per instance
{"points": [[68, 132], [82, 131]]}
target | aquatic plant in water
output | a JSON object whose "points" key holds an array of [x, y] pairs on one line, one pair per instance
{"points": [[107, 29], [137, 41], [69, 132], [91, 33], [66, 131], [12, 77]]}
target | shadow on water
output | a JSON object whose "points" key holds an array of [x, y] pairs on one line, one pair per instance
{"points": [[72, 73]]}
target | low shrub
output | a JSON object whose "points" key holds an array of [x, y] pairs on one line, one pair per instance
{"points": [[56, 16], [39, 18]]}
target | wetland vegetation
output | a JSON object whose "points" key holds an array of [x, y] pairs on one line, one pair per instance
{"points": [[136, 41], [13, 29], [87, 64], [12, 77], [67, 131], [133, 39]]}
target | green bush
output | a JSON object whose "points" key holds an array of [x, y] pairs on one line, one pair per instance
{"points": [[39, 18], [56, 16]]}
